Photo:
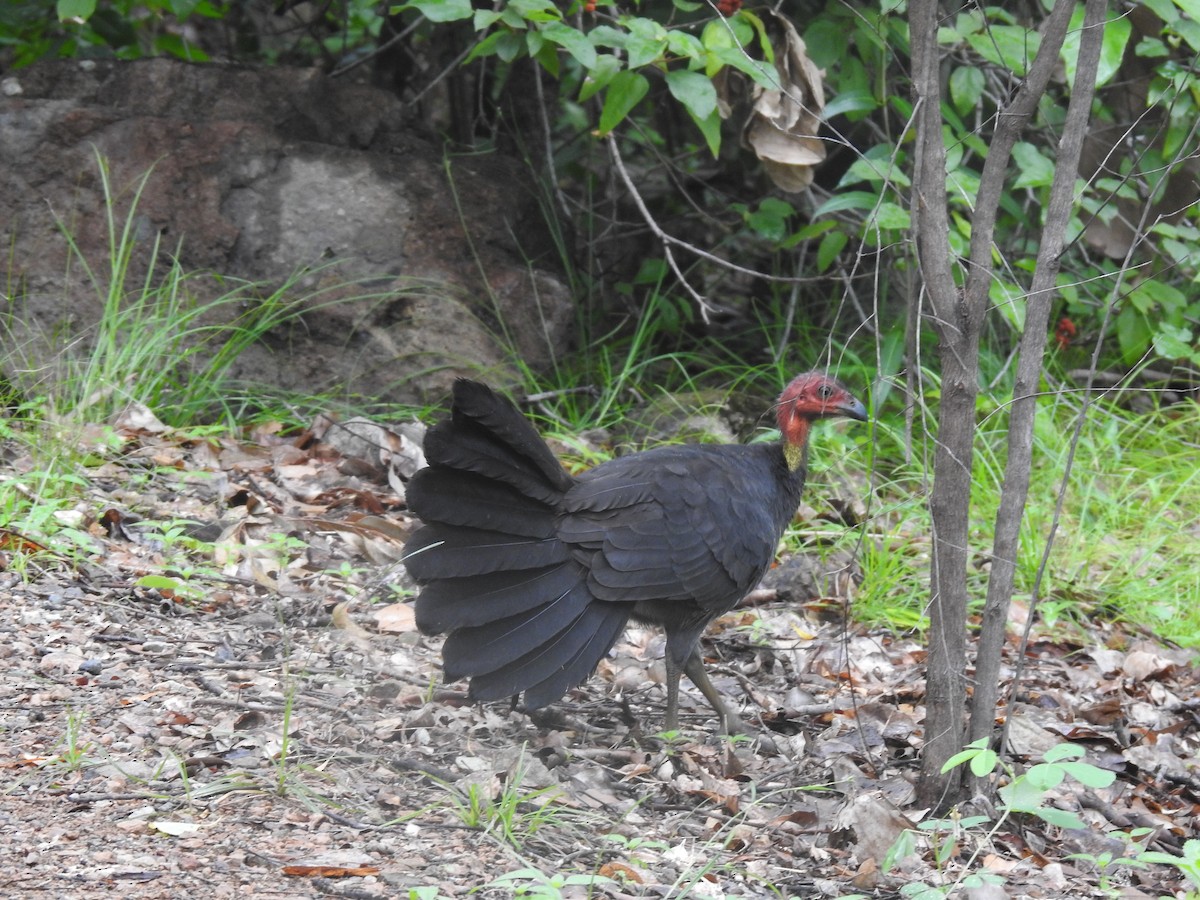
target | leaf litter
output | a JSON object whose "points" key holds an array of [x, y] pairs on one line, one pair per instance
{"points": [[212, 685]]}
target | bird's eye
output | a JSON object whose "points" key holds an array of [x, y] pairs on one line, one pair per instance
{"points": [[825, 391]]}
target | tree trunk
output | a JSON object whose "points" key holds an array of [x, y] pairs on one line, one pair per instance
{"points": [[957, 328], [1039, 304], [957, 317]]}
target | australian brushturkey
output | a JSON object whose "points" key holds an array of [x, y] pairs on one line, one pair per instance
{"points": [[534, 572]]}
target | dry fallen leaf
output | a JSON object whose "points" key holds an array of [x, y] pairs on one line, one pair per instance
{"points": [[872, 824], [396, 618], [340, 617], [330, 871], [1143, 664], [782, 128], [137, 417]]}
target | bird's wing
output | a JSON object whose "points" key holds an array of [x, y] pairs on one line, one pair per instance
{"points": [[674, 524]]}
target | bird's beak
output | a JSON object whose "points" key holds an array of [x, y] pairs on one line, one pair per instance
{"points": [[853, 410]]}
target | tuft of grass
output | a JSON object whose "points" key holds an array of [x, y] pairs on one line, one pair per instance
{"points": [[156, 343], [509, 810]]}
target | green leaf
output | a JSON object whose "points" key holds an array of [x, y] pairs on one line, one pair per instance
{"points": [[1133, 334], [710, 127], [850, 102], [1149, 47], [1063, 751], [1151, 294], [158, 583], [1021, 796], [1060, 818], [891, 216], [625, 91], [488, 46], [879, 165], [762, 73], [77, 11], [644, 49], [535, 10], [1117, 31], [1189, 30], [1009, 301], [543, 51], [827, 41], [1089, 775], [442, 10], [1164, 9], [599, 76], [573, 41], [485, 19], [607, 36], [1173, 343], [1190, 7], [847, 200], [814, 229], [966, 88], [970, 753], [827, 251], [1034, 169], [745, 17], [1011, 46], [510, 46], [694, 90], [686, 45], [771, 218]]}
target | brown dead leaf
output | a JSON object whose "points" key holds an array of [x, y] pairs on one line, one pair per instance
{"points": [[11, 540], [137, 417], [783, 126], [867, 876], [340, 617], [620, 872], [871, 824], [1141, 665], [330, 871], [377, 538], [804, 818], [1103, 713], [392, 453], [396, 618]]}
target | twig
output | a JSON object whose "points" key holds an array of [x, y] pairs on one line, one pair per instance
{"points": [[669, 241], [386, 45]]}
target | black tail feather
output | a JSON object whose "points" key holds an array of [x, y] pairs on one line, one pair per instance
{"points": [[450, 497], [501, 419], [490, 647], [467, 446], [495, 573], [450, 603], [440, 551], [606, 628], [567, 658]]}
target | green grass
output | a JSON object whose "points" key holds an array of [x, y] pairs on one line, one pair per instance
{"points": [[1127, 546], [1129, 536]]}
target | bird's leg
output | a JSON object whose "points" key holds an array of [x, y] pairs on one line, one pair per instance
{"points": [[731, 722], [671, 719]]}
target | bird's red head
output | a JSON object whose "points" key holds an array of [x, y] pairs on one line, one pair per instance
{"points": [[807, 397]]}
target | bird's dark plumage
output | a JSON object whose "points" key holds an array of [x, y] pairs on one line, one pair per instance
{"points": [[534, 573]]}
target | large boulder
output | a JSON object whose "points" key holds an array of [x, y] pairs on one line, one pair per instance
{"points": [[425, 265]]}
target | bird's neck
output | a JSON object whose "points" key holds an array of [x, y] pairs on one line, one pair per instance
{"points": [[795, 446]]}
